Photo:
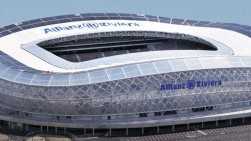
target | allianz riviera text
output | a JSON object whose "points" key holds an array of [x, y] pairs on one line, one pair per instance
{"points": [[190, 84], [94, 25]]}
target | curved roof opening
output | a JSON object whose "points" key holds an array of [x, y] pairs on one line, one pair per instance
{"points": [[81, 48]]}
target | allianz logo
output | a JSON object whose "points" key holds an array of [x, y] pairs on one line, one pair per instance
{"points": [[190, 84]]}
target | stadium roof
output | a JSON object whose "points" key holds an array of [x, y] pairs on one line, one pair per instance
{"points": [[19, 41]]}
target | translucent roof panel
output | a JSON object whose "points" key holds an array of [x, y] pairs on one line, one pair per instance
{"points": [[203, 23], [59, 80], [99, 15], [190, 22], [164, 19], [152, 18], [31, 22], [24, 77], [103, 16], [163, 66], [124, 15], [41, 79], [8, 27], [177, 21], [236, 62], [3, 68], [147, 68], [115, 73], [131, 70], [10, 74], [4, 33], [2, 29], [79, 78], [178, 64], [193, 63], [98, 76], [214, 63], [246, 61]]}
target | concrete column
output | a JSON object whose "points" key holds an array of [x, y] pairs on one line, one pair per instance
{"points": [[110, 132], [9, 125], [84, 131], [173, 128]]}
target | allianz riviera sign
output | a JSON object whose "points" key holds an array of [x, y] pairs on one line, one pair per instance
{"points": [[92, 25], [190, 84]]}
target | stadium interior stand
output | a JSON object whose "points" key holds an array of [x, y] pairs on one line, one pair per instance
{"points": [[79, 48]]}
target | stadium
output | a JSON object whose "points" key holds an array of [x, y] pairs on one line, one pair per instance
{"points": [[116, 74]]}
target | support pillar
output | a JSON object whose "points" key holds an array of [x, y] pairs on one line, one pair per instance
{"points": [[56, 130], [93, 132], [173, 128], [110, 132], [157, 129], [84, 131]]}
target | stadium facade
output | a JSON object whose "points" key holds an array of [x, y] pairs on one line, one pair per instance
{"points": [[112, 74]]}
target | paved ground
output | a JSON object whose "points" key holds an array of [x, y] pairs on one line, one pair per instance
{"points": [[35, 138], [240, 133]]}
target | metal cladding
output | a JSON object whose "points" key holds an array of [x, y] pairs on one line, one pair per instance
{"points": [[161, 71]]}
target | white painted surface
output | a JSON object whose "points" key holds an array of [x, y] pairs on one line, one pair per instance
{"points": [[12, 44]]}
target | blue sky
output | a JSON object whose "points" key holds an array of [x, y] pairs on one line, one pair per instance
{"points": [[237, 11]]}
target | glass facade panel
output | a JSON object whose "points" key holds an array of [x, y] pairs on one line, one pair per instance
{"points": [[246, 61], [41, 79], [24, 77], [131, 70], [163, 66], [193, 63], [98, 76], [10, 74], [59, 79], [78, 78], [147, 68], [236, 62], [115, 73], [178, 65]]}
